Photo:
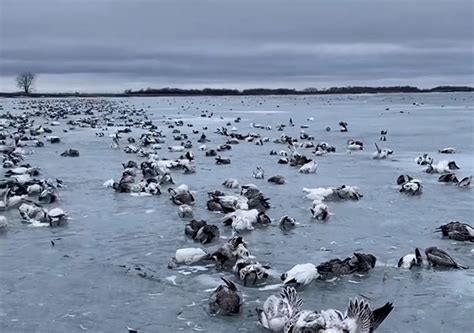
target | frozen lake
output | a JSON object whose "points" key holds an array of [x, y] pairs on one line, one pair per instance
{"points": [[80, 284]]}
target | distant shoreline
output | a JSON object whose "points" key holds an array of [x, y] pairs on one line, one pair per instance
{"points": [[177, 92]]}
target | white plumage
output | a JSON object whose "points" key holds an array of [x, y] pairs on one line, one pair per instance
{"points": [[189, 255], [301, 274], [309, 167]]}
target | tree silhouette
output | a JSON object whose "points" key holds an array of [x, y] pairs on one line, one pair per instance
{"points": [[24, 81]]}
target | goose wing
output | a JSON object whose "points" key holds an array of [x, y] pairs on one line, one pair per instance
{"points": [[439, 257]]}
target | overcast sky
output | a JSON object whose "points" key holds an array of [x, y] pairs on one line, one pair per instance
{"points": [[112, 45]]}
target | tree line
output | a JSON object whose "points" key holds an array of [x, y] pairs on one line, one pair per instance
{"points": [[284, 91]]}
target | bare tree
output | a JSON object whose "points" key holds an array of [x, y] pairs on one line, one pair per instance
{"points": [[24, 81]]}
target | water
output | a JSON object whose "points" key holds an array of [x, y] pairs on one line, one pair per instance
{"points": [[80, 285]]}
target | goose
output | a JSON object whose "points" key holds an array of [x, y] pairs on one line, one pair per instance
{"points": [[250, 270], [439, 258], [359, 317], [309, 167], [355, 145], [283, 160], [357, 263], [340, 193], [259, 173], [203, 147], [188, 256], [442, 167], [413, 187], [181, 195], [299, 160], [263, 219], [301, 274], [151, 187], [231, 183], [381, 154], [221, 160], [424, 160], [447, 150], [320, 211], [3, 223], [211, 153], [191, 229], [402, 179], [176, 149], [234, 249], [218, 201], [56, 216], [278, 180], [37, 188], [287, 222], [207, 234], [319, 193], [457, 231], [411, 260], [448, 178], [47, 196], [225, 299], [224, 147], [277, 311], [166, 179], [10, 201], [343, 126], [33, 212], [70, 153], [323, 148], [241, 220], [185, 211], [465, 182]]}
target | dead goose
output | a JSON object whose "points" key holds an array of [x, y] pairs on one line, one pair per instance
{"points": [[231, 183], [188, 256], [226, 299], [359, 317], [357, 263], [181, 195], [278, 180], [277, 311], [320, 211], [251, 271], [185, 211], [221, 160], [411, 260], [465, 182], [259, 173], [447, 150], [439, 258], [442, 167], [457, 231], [448, 178], [301, 274], [413, 187], [287, 223]]}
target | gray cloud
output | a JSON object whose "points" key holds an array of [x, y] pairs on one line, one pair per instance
{"points": [[120, 44]]}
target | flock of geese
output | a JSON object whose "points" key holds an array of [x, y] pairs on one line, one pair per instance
{"points": [[242, 207]]}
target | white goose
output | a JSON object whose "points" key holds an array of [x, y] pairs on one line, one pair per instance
{"points": [[320, 211], [442, 167], [358, 318], [187, 256], [309, 167], [277, 311], [301, 274], [381, 154], [231, 183]]}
